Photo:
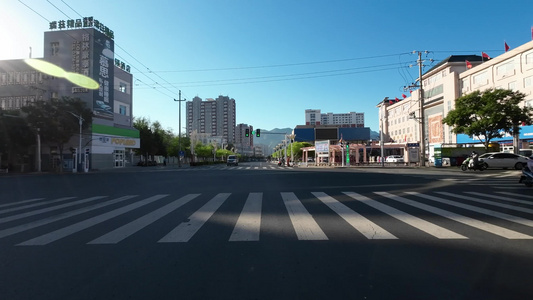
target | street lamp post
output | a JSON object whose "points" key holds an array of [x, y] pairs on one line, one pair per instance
{"points": [[179, 100], [78, 154], [292, 137]]}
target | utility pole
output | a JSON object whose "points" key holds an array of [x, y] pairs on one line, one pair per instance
{"points": [[179, 100], [421, 116]]}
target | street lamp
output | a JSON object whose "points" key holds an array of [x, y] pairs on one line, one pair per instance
{"points": [[292, 137], [78, 154], [179, 100]]}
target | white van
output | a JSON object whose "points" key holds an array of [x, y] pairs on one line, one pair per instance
{"points": [[232, 160], [524, 152]]}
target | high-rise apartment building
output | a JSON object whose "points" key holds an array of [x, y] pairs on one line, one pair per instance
{"points": [[215, 117], [351, 119], [244, 144]]}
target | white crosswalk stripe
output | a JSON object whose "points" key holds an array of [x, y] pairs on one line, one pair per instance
{"points": [[345, 212], [368, 228], [123, 232], [66, 231], [249, 223], [185, 231], [428, 227], [506, 233], [28, 226], [305, 226]]}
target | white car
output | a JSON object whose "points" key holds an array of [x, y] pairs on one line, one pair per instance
{"points": [[503, 160], [394, 158]]}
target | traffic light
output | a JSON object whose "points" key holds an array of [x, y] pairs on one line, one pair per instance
{"points": [[247, 132], [258, 133]]}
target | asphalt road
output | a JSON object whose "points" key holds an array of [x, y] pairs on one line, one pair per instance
{"points": [[261, 232]]}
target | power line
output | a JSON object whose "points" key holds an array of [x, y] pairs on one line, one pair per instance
{"points": [[66, 32], [283, 65], [289, 79]]}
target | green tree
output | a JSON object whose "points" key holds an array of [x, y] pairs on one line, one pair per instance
{"points": [[16, 138], [203, 151], [489, 114], [57, 120]]}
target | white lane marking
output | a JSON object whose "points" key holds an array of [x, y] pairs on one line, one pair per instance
{"points": [[514, 194], [494, 229], [493, 203], [305, 226], [368, 228], [66, 231], [21, 202], [127, 230], [28, 226], [48, 209], [501, 198], [249, 222], [34, 205], [185, 231], [480, 210], [420, 224]]}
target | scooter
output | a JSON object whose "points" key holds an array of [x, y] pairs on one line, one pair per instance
{"points": [[468, 164], [527, 177]]}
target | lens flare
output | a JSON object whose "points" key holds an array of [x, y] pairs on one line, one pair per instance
{"points": [[56, 71], [82, 80], [45, 67]]}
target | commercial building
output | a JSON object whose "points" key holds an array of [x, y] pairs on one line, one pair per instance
{"points": [[400, 116], [83, 46], [512, 70], [351, 119], [214, 117], [443, 84]]}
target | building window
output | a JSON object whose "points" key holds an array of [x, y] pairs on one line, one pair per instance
{"points": [[528, 81], [122, 110], [122, 87], [55, 48], [480, 79]]}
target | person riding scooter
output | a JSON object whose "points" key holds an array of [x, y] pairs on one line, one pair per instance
{"points": [[475, 159], [527, 173]]}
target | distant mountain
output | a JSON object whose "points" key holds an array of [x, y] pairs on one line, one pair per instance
{"points": [[271, 138], [374, 135]]}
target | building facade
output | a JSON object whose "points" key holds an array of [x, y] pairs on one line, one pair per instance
{"points": [[512, 70], [449, 80], [244, 144], [400, 117], [86, 47], [214, 117], [351, 119]]}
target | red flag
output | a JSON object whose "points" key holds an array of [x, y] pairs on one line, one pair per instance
{"points": [[506, 47], [404, 96], [485, 55], [468, 64], [410, 91], [397, 99], [390, 102], [531, 32]]}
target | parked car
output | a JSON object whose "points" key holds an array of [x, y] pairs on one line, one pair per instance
{"points": [[232, 160], [503, 160], [394, 158]]}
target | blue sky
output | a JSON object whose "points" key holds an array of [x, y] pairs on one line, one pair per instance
{"points": [[276, 58]]}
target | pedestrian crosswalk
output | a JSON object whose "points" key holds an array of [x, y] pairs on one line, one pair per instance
{"points": [[225, 168], [312, 216]]}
